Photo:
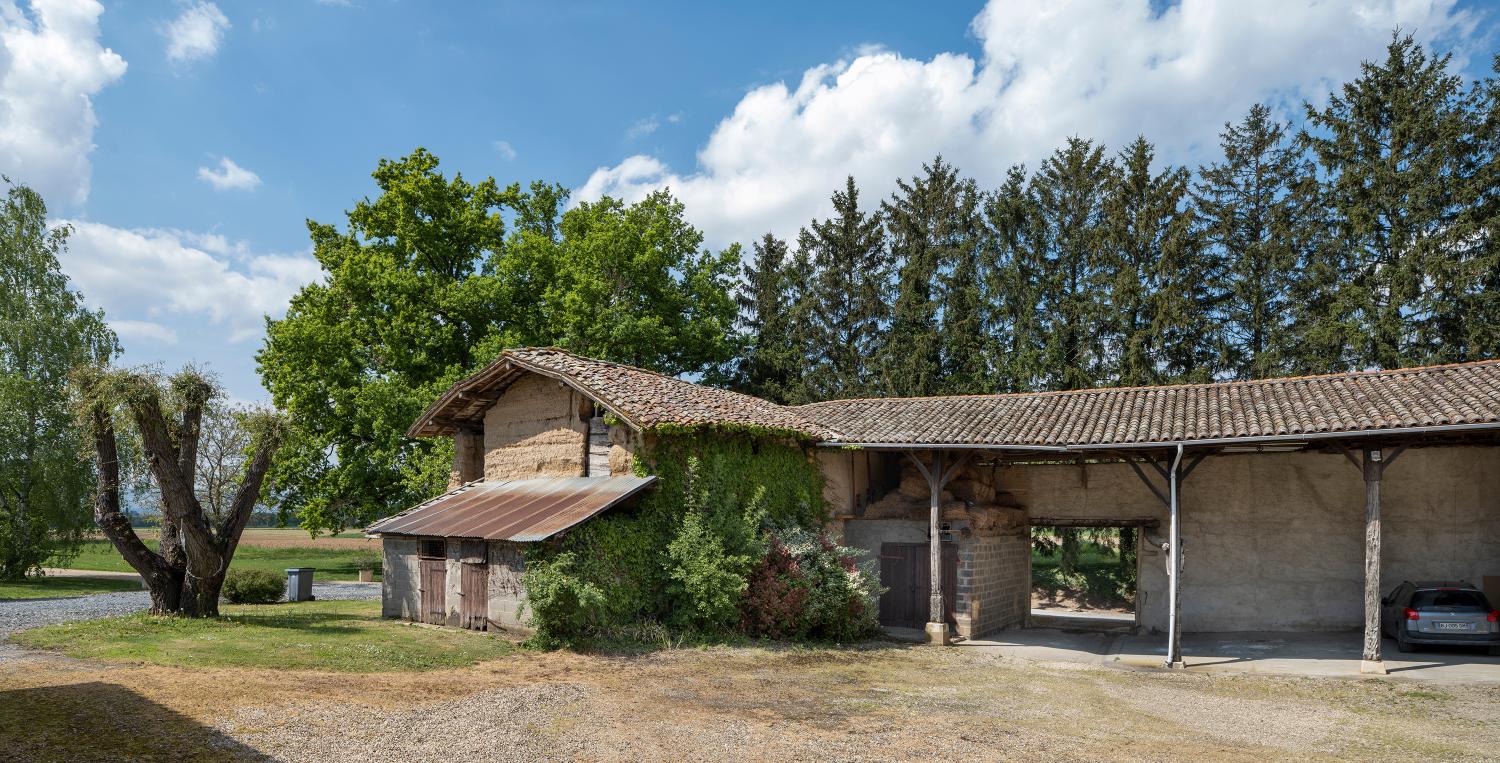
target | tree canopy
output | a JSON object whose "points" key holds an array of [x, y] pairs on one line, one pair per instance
{"points": [[45, 331], [431, 279]]}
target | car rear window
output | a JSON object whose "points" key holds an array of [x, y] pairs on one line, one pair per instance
{"points": [[1455, 601]]}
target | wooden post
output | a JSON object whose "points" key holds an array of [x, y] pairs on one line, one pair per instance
{"points": [[937, 477], [1373, 466]]}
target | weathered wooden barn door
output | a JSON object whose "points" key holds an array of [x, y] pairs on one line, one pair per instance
{"points": [[905, 574], [434, 582], [474, 612]]}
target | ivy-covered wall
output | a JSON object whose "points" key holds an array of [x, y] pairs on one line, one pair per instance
{"points": [[683, 555]]}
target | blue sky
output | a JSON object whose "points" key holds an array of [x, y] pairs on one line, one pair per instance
{"points": [[186, 142]]}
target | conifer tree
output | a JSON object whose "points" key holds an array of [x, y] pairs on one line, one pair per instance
{"points": [[767, 363], [846, 296], [1014, 280], [937, 333], [1067, 196], [1397, 147], [1158, 298], [1257, 216]]}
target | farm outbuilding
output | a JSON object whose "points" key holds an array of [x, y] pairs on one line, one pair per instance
{"points": [[1282, 504]]}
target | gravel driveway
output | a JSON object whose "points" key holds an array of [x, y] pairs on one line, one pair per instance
{"points": [[31, 613]]}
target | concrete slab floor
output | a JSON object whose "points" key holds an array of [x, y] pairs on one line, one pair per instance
{"points": [[1335, 655]]}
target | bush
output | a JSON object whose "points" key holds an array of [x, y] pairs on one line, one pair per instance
{"points": [[253, 587], [807, 586], [563, 603]]}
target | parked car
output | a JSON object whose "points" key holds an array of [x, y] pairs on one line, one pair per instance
{"points": [[1432, 613]]}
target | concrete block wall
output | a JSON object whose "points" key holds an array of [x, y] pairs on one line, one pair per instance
{"points": [[400, 591], [507, 594], [994, 584]]}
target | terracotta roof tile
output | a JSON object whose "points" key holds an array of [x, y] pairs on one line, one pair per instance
{"points": [[1467, 393], [644, 399]]}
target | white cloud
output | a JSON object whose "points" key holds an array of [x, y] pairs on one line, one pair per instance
{"points": [[181, 282], [195, 33], [132, 331], [642, 128], [229, 176], [1049, 69], [505, 150], [51, 67]]}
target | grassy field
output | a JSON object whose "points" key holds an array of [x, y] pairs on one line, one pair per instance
{"points": [[336, 558], [339, 636], [53, 587]]}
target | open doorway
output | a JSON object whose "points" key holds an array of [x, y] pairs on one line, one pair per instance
{"points": [[1084, 576]]}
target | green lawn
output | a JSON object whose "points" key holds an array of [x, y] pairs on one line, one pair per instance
{"points": [[53, 587], [331, 563], [339, 636]]}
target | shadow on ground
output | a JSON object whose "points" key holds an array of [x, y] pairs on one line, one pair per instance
{"points": [[96, 721]]}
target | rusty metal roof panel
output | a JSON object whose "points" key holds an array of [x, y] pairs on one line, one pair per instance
{"points": [[515, 510]]}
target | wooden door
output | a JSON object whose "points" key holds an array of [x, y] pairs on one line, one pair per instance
{"points": [[474, 613], [906, 572], [435, 591]]}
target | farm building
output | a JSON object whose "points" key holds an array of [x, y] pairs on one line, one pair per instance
{"points": [[1283, 504]]}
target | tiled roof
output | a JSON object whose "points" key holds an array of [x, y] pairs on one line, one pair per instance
{"points": [[644, 399], [1433, 396]]}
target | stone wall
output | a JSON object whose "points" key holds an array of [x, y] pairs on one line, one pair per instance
{"points": [[507, 594], [538, 428], [400, 590]]}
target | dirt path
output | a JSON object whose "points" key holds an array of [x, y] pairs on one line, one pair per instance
{"points": [[885, 703]]}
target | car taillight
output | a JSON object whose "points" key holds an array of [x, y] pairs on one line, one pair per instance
{"points": [[1411, 614], [1494, 616]]}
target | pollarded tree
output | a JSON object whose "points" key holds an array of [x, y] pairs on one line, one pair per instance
{"points": [[196, 548], [45, 331]]}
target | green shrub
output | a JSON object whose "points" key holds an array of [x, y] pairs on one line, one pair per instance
{"points": [[563, 603], [808, 586], [682, 556], [253, 586]]}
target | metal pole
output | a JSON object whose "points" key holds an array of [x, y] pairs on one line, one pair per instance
{"points": [[935, 547], [1174, 572], [1373, 466]]}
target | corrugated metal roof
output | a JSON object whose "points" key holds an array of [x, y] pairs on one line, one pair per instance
{"points": [[518, 510]]}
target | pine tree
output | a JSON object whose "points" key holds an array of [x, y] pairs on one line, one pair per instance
{"points": [[1015, 281], [937, 333], [1398, 148], [767, 365], [1258, 219], [1158, 299], [803, 330], [1067, 198], [847, 296]]}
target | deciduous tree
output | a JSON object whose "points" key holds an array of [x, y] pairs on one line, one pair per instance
{"points": [[45, 331]]}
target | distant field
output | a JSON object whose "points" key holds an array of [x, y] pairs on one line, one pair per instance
{"points": [[291, 537], [335, 558], [58, 587]]}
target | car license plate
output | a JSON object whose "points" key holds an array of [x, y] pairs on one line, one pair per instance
{"points": [[1454, 626]]}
